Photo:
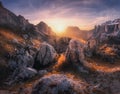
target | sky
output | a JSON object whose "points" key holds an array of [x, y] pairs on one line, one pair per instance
{"points": [[61, 13]]}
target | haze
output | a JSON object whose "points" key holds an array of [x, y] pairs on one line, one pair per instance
{"points": [[62, 13]]}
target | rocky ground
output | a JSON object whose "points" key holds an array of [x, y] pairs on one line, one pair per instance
{"points": [[66, 77]]}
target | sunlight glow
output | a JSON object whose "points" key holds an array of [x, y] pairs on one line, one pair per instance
{"points": [[59, 28], [58, 25]]}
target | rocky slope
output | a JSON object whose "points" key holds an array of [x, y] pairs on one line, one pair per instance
{"points": [[105, 40], [17, 36]]}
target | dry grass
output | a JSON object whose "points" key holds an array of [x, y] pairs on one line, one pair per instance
{"points": [[36, 43], [99, 65]]}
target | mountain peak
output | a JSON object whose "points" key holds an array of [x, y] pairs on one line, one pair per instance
{"points": [[42, 23], [73, 28]]}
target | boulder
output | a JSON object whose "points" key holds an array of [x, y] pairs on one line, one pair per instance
{"points": [[75, 55], [74, 52], [21, 74], [20, 63], [61, 44], [42, 72], [21, 59], [45, 57], [61, 84]]}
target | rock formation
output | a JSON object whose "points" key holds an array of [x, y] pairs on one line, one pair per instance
{"points": [[21, 75], [106, 39], [75, 55], [61, 84], [46, 56], [74, 52]]}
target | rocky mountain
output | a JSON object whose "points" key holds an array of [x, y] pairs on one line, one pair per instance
{"points": [[19, 23], [45, 32], [105, 40], [10, 20], [108, 31], [75, 32], [18, 35]]}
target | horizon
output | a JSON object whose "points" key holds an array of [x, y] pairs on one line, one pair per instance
{"points": [[59, 14]]}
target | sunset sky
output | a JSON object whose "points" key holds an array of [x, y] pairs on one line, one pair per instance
{"points": [[82, 13]]}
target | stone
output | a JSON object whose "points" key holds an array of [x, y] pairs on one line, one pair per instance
{"points": [[74, 52], [42, 72], [46, 56], [21, 74], [75, 55], [61, 84]]}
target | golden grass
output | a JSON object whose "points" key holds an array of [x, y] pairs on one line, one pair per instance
{"points": [[36, 43], [8, 35], [102, 66]]}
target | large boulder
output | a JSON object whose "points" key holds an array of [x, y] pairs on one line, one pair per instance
{"points": [[21, 74], [20, 59], [45, 57], [61, 84], [20, 63], [61, 44], [74, 52], [75, 55]]}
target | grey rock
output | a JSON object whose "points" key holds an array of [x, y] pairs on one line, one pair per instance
{"points": [[42, 72], [61, 84], [55, 84], [21, 74], [45, 56], [74, 52], [75, 55]]}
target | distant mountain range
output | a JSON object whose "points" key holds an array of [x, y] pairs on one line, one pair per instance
{"points": [[75, 32]]}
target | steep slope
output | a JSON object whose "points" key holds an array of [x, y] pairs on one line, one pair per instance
{"points": [[10, 20], [16, 35]]}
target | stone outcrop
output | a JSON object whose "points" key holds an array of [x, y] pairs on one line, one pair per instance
{"points": [[75, 55], [21, 75], [61, 44], [21, 66], [74, 51], [61, 84], [21, 59], [106, 39], [46, 56]]}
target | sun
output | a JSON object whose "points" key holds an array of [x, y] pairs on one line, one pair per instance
{"points": [[58, 28], [58, 25]]}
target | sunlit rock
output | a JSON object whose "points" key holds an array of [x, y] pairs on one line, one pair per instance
{"points": [[74, 51], [75, 55], [46, 56]]}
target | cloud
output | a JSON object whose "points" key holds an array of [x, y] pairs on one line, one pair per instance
{"points": [[85, 13]]}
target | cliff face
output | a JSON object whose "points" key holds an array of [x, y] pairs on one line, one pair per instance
{"points": [[108, 31], [105, 40]]}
